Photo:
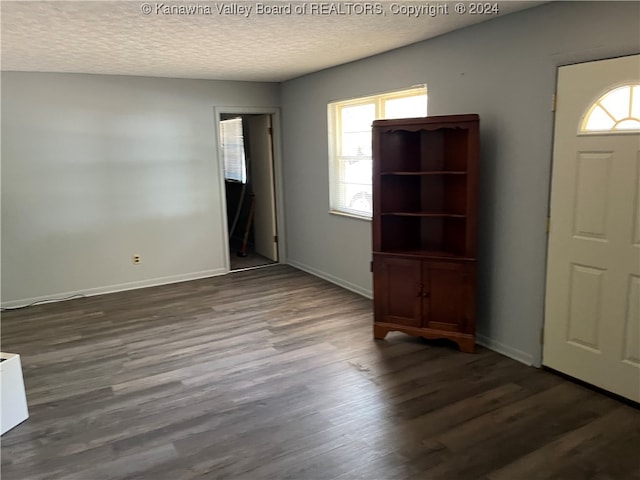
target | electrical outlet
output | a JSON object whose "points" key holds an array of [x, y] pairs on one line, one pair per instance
{"points": [[136, 259]]}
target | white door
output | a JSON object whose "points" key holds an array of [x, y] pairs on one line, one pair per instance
{"points": [[592, 311], [262, 178]]}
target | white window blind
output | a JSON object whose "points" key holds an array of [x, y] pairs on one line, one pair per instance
{"points": [[350, 157], [231, 135]]}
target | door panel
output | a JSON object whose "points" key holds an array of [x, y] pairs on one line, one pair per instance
{"points": [[450, 302], [631, 352], [636, 217], [592, 193], [262, 180], [397, 284], [592, 322], [585, 306]]}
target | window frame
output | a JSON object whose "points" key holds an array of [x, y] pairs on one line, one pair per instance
{"points": [[335, 141], [597, 103]]}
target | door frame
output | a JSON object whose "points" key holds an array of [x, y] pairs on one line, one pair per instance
{"points": [[274, 112]]}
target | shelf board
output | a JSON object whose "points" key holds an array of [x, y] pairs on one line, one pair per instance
{"points": [[427, 253], [424, 172], [424, 214]]}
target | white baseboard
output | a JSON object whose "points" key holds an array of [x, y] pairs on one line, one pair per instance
{"points": [[506, 350], [90, 292], [331, 278]]}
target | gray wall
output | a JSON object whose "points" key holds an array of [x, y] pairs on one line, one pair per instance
{"points": [[504, 70], [98, 168]]}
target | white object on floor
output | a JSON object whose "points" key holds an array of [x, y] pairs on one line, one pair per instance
{"points": [[13, 401]]}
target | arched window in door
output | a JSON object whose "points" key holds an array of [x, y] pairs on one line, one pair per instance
{"points": [[617, 111]]}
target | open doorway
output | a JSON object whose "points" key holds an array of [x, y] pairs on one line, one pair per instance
{"points": [[247, 147]]}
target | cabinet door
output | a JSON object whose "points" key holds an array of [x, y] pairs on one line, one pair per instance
{"points": [[449, 300], [397, 288]]}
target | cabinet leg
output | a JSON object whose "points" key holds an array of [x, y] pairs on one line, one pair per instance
{"points": [[379, 332], [466, 345]]}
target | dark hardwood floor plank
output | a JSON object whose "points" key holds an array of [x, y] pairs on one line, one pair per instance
{"points": [[565, 453], [273, 374]]}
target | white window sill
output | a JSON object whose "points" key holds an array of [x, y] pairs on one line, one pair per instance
{"points": [[349, 215]]}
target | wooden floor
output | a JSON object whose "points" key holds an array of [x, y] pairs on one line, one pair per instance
{"points": [[274, 374]]}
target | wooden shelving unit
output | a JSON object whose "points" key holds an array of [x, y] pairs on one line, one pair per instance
{"points": [[425, 188]]}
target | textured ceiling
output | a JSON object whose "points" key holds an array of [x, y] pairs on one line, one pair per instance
{"points": [[118, 37]]}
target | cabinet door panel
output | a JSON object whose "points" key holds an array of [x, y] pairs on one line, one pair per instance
{"points": [[449, 303], [397, 288]]}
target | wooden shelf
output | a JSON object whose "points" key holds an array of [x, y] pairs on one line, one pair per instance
{"points": [[424, 214], [429, 123], [424, 172], [427, 253]]}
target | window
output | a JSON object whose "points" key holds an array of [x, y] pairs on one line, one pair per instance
{"points": [[616, 111], [235, 166], [350, 158]]}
